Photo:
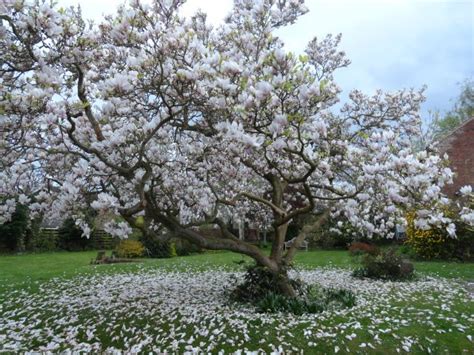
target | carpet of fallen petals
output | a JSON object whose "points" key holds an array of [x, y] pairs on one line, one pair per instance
{"points": [[165, 311]]}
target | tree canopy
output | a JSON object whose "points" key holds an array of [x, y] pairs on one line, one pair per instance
{"points": [[151, 114]]}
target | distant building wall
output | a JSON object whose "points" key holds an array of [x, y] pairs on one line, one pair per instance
{"points": [[459, 145]]}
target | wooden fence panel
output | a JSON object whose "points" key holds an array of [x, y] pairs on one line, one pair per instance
{"points": [[100, 239]]}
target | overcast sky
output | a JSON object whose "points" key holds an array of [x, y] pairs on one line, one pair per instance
{"points": [[392, 43]]}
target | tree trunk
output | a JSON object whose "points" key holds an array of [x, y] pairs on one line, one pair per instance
{"points": [[284, 285], [277, 246], [241, 229], [274, 264]]}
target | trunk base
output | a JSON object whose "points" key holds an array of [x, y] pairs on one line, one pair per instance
{"points": [[259, 281], [285, 286]]}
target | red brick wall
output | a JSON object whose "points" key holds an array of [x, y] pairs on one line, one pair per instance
{"points": [[459, 146]]}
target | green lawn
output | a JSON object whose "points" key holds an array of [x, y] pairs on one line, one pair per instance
{"points": [[52, 287], [31, 268]]}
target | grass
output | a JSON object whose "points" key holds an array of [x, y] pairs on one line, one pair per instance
{"points": [[31, 273], [36, 268]]}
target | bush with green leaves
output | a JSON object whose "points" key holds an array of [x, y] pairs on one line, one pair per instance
{"points": [[42, 241], [185, 247], [436, 243], [463, 248], [14, 232], [258, 282], [386, 264], [129, 248], [70, 237], [259, 288], [343, 296], [313, 300], [158, 248]]}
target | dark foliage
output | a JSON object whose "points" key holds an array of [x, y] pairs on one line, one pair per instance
{"points": [[259, 281], [274, 302], [70, 237], [42, 241], [14, 232], [313, 300], [184, 247], [293, 230], [341, 296], [260, 288], [462, 247], [156, 248], [384, 265]]}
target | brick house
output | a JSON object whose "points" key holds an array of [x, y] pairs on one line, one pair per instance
{"points": [[459, 145]]}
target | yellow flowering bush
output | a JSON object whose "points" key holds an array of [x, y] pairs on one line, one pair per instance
{"points": [[427, 244], [129, 249], [436, 243]]}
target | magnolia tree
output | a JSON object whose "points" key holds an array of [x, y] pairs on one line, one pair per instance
{"points": [[155, 115]]}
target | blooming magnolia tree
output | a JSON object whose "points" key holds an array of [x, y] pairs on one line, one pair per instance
{"points": [[155, 115]]}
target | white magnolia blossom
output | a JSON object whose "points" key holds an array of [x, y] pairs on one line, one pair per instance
{"points": [[466, 190], [105, 201], [466, 214], [120, 229], [86, 230]]}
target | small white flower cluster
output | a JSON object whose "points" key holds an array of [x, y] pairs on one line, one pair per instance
{"points": [[467, 213], [118, 229]]}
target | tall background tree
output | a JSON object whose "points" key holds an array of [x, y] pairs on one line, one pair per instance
{"points": [[463, 110], [168, 118]]}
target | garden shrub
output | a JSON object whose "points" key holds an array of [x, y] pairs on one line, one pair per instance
{"points": [[330, 240], [274, 302], [185, 247], [13, 232], [258, 282], [427, 244], [129, 249], [342, 296], [384, 265], [156, 248], [260, 288], [463, 248], [43, 241], [23, 233], [408, 251], [436, 244], [70, 237], [313, 300]]}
